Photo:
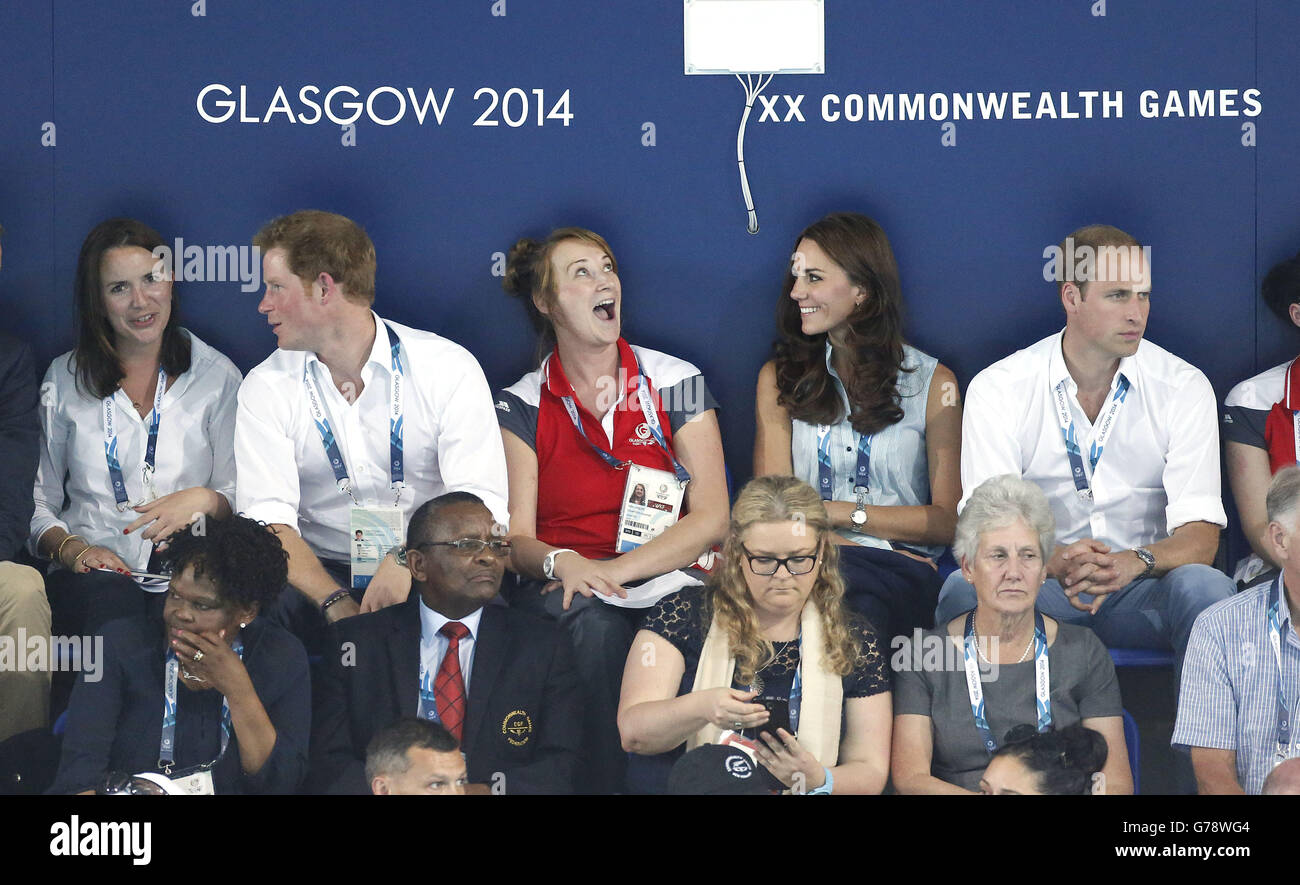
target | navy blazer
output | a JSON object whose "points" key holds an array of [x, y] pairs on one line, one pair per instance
{"points": [[115, 721], [523, 716], [20, 434]]}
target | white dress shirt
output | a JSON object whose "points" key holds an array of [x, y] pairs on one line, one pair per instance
{"points": [[433, 645], [195, 448], [451, 441], [1159, 468]]}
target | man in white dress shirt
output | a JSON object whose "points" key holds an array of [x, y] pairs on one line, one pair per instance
{"points": [[354, 419], [1137, 527]]}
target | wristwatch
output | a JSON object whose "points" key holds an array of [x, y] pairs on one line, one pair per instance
{"points": [[1148, 559], [548, 564], [398, 552], [859, 516]]}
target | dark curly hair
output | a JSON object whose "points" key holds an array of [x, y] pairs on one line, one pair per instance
{"points": [[875, 332], [239, 555], [1064, 761]]}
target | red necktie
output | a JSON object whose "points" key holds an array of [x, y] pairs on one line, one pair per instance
{"points": [[449, 685]]}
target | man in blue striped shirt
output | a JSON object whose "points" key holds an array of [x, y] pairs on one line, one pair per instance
{"points": [[1241, 675]]}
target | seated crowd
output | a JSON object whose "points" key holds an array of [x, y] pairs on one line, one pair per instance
{"points": [[369, 574]]}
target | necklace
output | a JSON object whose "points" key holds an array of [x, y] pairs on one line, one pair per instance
{"points": [[1024, 654]]}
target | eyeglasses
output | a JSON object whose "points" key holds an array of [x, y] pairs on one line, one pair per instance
{"points": [[766, 566], [471, 546]]}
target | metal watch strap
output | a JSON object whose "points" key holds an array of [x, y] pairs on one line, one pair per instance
{"points": [[1148, 559], [861, 508]]}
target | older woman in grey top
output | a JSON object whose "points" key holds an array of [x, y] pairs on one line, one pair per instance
{"points": [[870, 422], [1022, 667]]}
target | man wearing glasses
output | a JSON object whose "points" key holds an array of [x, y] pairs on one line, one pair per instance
{"points": [[502, 682]]}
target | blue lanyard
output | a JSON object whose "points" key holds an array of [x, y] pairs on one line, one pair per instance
{"points": [[167, 749], [1066, 419], [428, 708], [1042, 681], [796, 691], [826, 473], [111, 454], [1275, 640], [652, 423], [315, 401]]}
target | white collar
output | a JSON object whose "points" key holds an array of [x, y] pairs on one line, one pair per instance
{"points": [[431, 622], [380, 350], [1057, 371]]}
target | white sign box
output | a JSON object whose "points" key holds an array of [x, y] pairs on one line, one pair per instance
{"points": [[754, 36]]}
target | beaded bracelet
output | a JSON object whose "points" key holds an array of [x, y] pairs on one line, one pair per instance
{"points": [[333, 598]]}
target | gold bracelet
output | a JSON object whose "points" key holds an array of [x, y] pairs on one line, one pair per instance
{"points": [[58, 554], [79, 555]]}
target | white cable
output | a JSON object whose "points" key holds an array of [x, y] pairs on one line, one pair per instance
{"points": [[751, 94]]}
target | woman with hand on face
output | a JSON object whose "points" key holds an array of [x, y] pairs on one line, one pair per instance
{"points": [[767, 655], [210, 695], [598, 418], [137, 432], [1024, 668], [869, 421]]}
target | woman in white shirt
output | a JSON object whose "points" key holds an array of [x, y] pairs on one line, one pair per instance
{"points": [[137, 425]]}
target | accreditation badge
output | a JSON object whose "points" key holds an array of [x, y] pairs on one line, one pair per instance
{"points": [[373, 531], [652, 501], [197, 784]]}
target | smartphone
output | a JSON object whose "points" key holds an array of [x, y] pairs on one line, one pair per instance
{"points": [[778, 710]]}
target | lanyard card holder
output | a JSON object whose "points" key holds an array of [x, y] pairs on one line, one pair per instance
{"points": [[197, 783], [652, 501], [372, 532]]}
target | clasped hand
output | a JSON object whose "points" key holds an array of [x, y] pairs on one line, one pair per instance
{"points": [[1088, 566]]}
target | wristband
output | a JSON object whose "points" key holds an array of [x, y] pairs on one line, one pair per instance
{"points": [[333, 598], [826, 788]]}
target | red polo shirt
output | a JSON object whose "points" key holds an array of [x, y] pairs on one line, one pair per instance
{"points": [[579, 495]]}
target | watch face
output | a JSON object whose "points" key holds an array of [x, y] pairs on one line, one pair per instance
{"points": [[859, 517]]}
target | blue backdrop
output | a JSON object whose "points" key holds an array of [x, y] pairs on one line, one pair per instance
{"points": [[101, 116]]}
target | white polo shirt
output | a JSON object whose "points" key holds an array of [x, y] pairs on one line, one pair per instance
{"points": [[1160, 465], [451, 441]]}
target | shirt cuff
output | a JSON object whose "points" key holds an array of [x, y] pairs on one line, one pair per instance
{"points": [[273, 513], [40, 528], [1204, 508]]}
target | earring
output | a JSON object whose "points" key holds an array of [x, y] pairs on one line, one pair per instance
{"points": [[242, 625]]}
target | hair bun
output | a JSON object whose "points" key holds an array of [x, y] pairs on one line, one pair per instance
{"points": [[1082, 749], [518, 280]]}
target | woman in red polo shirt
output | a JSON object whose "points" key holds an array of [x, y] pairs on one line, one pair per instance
{"points": [[596, 419]]}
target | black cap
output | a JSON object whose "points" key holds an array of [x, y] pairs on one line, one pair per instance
{"points": [[717, 770]]}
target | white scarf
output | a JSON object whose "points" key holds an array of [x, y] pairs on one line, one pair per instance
{"points": [[823, 692]]}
